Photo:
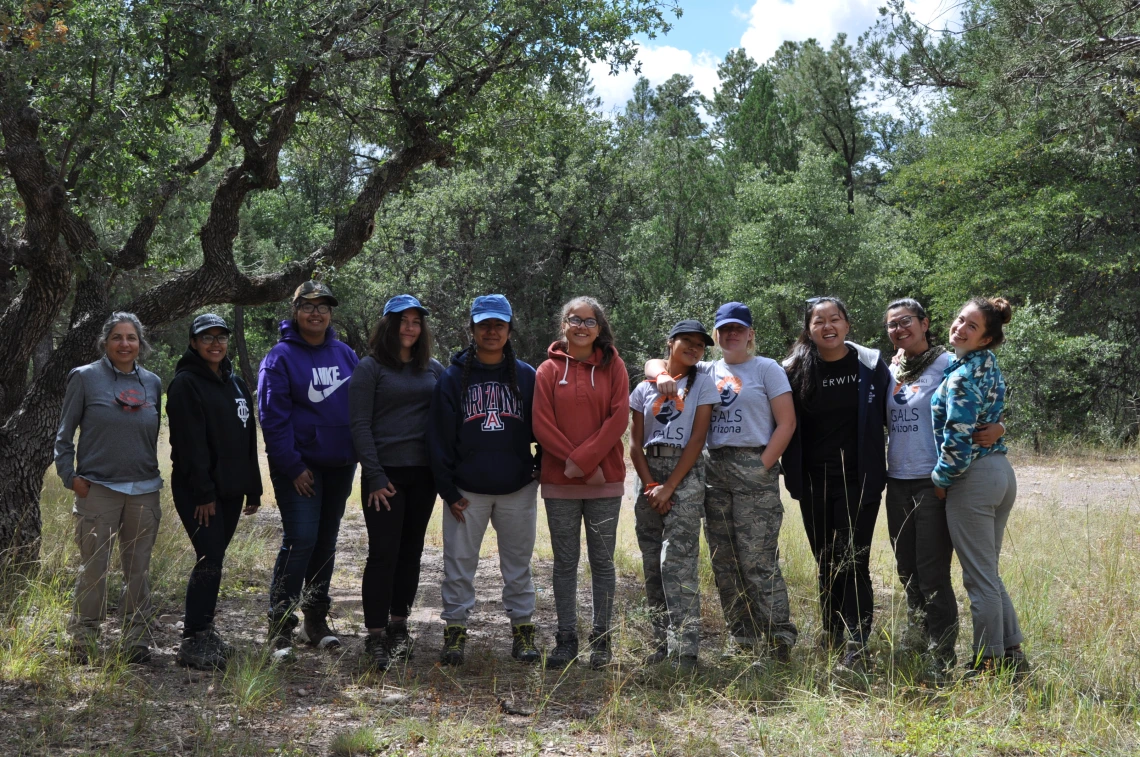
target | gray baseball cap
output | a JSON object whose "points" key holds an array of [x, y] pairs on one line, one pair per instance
{"points": [[208, 321]]}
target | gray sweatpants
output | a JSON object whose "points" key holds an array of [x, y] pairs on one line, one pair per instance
{"points": [[514, 517], [564, 517], [977, 509]]}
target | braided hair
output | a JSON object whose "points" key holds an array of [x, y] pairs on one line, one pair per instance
{"points": [[690, 376], [508, 357]]}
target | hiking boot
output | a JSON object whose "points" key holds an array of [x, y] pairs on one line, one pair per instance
{"points": [[854, 658], [1016, 661], [659, 654], [565, 650], [377, 650], [454, 642], [984, 667], [523, 647], [218, 644], [599, 650], [315, 631], [281, 627], [199, 652], [137, 654], [399, 640]]}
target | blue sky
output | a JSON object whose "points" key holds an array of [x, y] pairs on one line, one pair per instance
{"points": [[708, 29]]}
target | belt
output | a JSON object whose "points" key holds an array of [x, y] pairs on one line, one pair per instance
{"points": [[663, 450]]}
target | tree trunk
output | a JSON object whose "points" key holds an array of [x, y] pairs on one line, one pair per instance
{"points": [[242, 351]]}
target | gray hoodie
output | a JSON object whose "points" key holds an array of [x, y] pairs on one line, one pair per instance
{"points": [[117, 417]]}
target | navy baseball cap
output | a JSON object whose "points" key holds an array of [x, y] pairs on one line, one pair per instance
{"points": [[491, 306], [402, 302], [733, 312], [208, 321], [691, 327]]}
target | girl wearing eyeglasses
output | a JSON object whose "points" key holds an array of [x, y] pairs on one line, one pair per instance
{"points": [[836, 466], [581, 410], [916, 518], [213, 447], [302, 400], [113, 402]]}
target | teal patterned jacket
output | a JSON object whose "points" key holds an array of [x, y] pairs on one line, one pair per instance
{"points": [[972, 392]]}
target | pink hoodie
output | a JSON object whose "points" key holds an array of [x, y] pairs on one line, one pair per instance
{"points": [[581, 410]]}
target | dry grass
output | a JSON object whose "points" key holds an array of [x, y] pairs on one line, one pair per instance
{"points": [[1073, 573]]}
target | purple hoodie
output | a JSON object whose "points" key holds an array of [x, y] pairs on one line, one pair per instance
{"points": [[302, 401]]}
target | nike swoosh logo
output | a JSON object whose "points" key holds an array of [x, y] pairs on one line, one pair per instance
{"points": [[320, 395]]}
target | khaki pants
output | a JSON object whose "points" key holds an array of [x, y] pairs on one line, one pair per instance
{"points": [[100, 517]]}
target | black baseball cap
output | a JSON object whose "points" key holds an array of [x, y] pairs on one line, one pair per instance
{"points": [[208, 321], [313, 290], [691, 327]]}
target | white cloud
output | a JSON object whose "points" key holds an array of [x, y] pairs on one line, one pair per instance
{"points": [[771, 22], [657, 65]]}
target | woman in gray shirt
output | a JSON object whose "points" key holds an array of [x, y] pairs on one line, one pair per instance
{"points": [[389, 398], [114, 404]]}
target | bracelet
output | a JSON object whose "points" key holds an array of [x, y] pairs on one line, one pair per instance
{"points": [[649, 487]]}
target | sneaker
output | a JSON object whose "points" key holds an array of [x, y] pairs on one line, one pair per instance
{"points": [[377, 651], [565, 650], [659, 654], [199, 652], [854, 658], [454, 642], [281, 627], [315, 632], [523, 647], [137, 654], [400, 642], [599, 650]]}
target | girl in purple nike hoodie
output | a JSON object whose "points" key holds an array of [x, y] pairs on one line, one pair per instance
{"points": [[302, 401]]}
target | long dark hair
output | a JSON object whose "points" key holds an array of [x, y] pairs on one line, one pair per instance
{"points": [[997, 312], [605, 338], [914, 306], [802, 363], [690, 377], [508, 356], [384, 343]]}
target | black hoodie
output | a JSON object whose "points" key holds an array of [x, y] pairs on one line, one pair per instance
{"points": [[213, 438]]}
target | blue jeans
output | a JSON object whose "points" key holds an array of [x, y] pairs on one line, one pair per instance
{"points": [[310, 527]]}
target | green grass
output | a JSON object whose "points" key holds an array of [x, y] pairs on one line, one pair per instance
{"points": [[1074, 575]]}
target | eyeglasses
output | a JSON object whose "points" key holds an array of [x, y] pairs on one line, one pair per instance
{"points": [[901, 323], [309, 308], [207, 339], [589, 323]]}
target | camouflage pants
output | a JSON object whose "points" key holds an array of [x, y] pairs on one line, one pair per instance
{"points": [[743, 515], [670, 549]]}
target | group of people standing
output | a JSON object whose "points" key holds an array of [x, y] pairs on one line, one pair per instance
{"points": [[488, 433]]}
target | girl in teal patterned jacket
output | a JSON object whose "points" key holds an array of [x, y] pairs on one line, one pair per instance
{"points": [[977, 483]]}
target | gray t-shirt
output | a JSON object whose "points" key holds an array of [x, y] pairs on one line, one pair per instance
{"points": [[670, 422], [743, 418], [912, 450]]}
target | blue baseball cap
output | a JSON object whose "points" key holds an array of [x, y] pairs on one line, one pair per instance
{"points": [[491, 306], [402, 302], [733, 312]]}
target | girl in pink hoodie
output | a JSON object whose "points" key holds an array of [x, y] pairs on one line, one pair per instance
{"points": [[581, 409]]}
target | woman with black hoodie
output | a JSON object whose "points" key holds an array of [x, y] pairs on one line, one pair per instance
{"points": [[836, 466], [213, 446]]}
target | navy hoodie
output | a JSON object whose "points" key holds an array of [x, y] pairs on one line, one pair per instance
{"points": [[302, 401], [481, 440], [874, 385], [213, 439]]}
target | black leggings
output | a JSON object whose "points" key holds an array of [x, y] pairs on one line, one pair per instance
{"points": [[210, 543], [839, 530], [395, 543]]}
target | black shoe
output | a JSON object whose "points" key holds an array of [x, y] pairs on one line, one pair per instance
{"points": [[780, 651], [659, 654], [1016, 661], [523, 647], [200, 652], [400, 642], [218, 644], [854, 658], [599, 650], [137, 654], [315, 631], [565, 650], [454, 642], [377, 650], [830, 641], [686, 663], [281, 627]]}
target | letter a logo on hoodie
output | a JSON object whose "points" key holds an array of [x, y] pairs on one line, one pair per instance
{"points": [[325, 376]]}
